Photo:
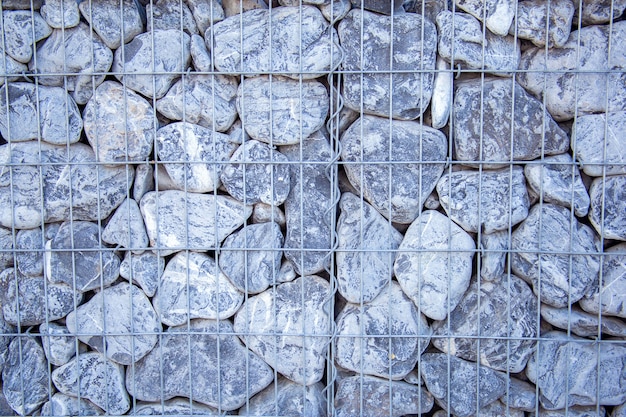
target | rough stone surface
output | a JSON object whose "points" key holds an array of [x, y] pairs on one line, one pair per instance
{"points": [[336, 10], [200, 56], [166, 14], [144, 181], [531, 22], [368, 46], [582, 323], [126, 228], [601, 152], [379, 6], [235, 7], [60, 13], [5, 339], [6, 248], [434, 264], [264, 213], [595, 12], [497, 14], [441, 101], [575, 411], [494, 254], [205, 13], [610, 297], [173, 407], [521, 395], [144, 270], [498, 409], [116, 21], [396, 190], [65, 405], [58, 343], [12, 67], [287, 398], [22, 28], [608, 207], [29, 252]]}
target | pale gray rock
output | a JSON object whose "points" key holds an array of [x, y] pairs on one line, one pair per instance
{"points": [[173, 407], [162, 180], [557, 180], [575, 411], [22, 29], [58, 343], [494, 247], [205, 13], [170, 14], [235, 7], [596, 12], [116, 21], [281, 111], [582, 323], [193, 287], [308, 48], [201, 345], [6, 248], [257, 174], [126, 229], [530, 22], [565, 370], [287, 273], [144, 270], [5, 408], [34, 112], [6, 331], [65, 405], [264, 213], [387, 7], [13, 69], [368, 46], [610, 298], [498, 409], [335, 10], [200, 56], [207, 220], [497, 14], [29, 245], [287, 398], [521, 395], [432, 201], [393, 335], [441, 102], [144, 181], [598, 145], [434, 264], [608, 206], [60, 13], [396, 190], [299, 308], [366, 245], [485, 124], [206, 100], [93, 377], [21, 4]]}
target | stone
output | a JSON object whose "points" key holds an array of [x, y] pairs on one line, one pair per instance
{"points": [[6, 331], [575, 411], [144, 270], [162, 180], [203, 99], [485, 125], [434, 264], [281, 111], [384, 337], [173, 407], [503, 314], [497, 14], [557, 180], [565, 370], [13, 70], [485, 200], [299, 310], [170, 14], [520, 395], [599, 151], [366, 245], [441, 102], [580, 77], [193, 287], [29, 245], [125, 228], [540, 255], [6, 248], [75, 51], [22, 29], [144, 181], [65, 405], [370, 396], [206, 13], [608, 206], [618, 411], [597, 12], [93, 377], [498, 409], [335, 10], [25, 378], [530, 22], [77, 257], [494, 248], [471, 49], [5, 408], [21, 4], [38, 112], [610, 297], [209, 219], [396, 189], [235, 7], [60, 13], [257, 174], [200, 56], [58, 343], [197, 349], [263, 213], [287, 398], [582, 323], [287, 273], [309, 47], [117, 22], [387, 7]]}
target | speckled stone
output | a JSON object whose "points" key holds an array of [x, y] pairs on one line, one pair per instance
{"points": [[574, 411], [264, 213], [521, 395], [497, 14], [205, 13], [608, 206], [530, 22], [494, 254], [610, 298], [379, 6], [60, 13], [6, 248], [287, 398], [173, 407], [144, 181], [6, 329], [125, 228], [595, 12], [166, 14], [22, 28], [144, 270], [600, 152], [12, 67], [235, 7], [116, 21], [200, 55], [498, 409], [335, 10], [65, 405], [441, 102], [29, 245], [582, 323], [58, 343]]}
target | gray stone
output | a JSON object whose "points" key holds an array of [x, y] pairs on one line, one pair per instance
{"points": [[58, 343], [596, 12], [387, 7], [205, 13], [162, 180], [610, 298], [281, 111], [530, 22], [22, 29], [144, 270], [166, 14], [206, 100], [93, 377], [116, 21], [29, 245], [235, 7], [368, 46], [257, 174], [76, 257], [557, 180], [60, 13], [198, 349], [65, 405], [485, 125], [600, 152], [308, 48], [384, 337], [208, 219], [575, 411], [6, 331], [366, 245], [498, 409], [21, 4], [126, 229], [415, 163], [582, 323], [6, 248], [193, 287], [619, 411], [497, 14], [380, 397], [494, 247], [335, 10], [287, 273], [579, 77], [293, 308], [287, 398], [565, 370], [485, 200], [520, 395], [441, 102], [608, 206], [264, 213], [25, 378], [5, 408], [200, 56], [144, 181], [173, 407], [34, 112], [13, 69], [434, 264]]}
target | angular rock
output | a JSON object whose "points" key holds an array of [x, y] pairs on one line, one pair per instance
{"points": [[415, 162], [494, 248], [205, 13], [6, 248], [434, 264], [200, 56], [287, 398], [174, 407], [29, 252], [264, 213], [497, 14], [58, 343], [596, 12], [116, 21], [608, 206], [521, 395], [61, 13], [235, 7], [393, 334], [335, 10], [368, 46], [144, 270], [610, 298], [575, 411], [379, 6], [201, 345], [22, 29], [65, 405], [126, 228], [287, 273], [600, 152], [170, 14], [582, 323], [441, 101], [144, 181], [531, 22]]}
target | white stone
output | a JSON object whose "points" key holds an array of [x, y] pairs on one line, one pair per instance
{"points": [[22, 29], [497, 14], [116, 21], [287, 398], [608, 206], [60, 13], [144, 270], [126, 229], [598, 143], [610, 298], [582, 323], [58, 343], [530, 22], [65, 405], [441, 102]]}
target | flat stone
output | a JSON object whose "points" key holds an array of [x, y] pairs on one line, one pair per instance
{"points": [[37, 112], [77, 257], [126, 228], [492, 310], [206, 100], [582, 323], [441, 102], [521, 395], [597, 12], [58, 343], [531, 128], [287, 398], [558, 279], [263, 213], [281, 111], [144, 270], [494, 249], [308, 48], [144, 181], [209, 219], [257, 174], [173, 407], [205, 13], [93, 377], [384, 337], [497, 14], [29, 252], [397, 190], [235, 7], [193, 287], [116, 22], [600, 152], [171, 56], [608, 206], [335, 10], [610, 298], [170, 14], [240, 373], [25, 378], [565, 370], [65, 405], [575, 411], [22, 28], [200, 56], [366, 245], [60, 13], [530, 22], [367, 44], [434, 264], [294, 308], [557, 179]]}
